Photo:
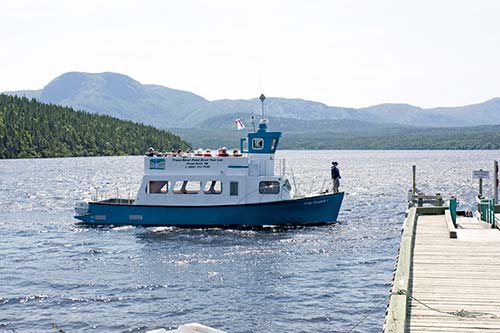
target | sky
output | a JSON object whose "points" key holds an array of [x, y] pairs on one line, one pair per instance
{"points": [[348, 53]]}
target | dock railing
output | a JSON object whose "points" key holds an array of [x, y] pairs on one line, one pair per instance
{"points": [[486, 210], [419, 199]]}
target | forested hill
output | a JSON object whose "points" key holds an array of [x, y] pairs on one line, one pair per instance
{"points": [[32, 129]]}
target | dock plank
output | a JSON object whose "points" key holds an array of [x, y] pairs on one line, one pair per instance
{"points": [[450, 275], [468, 270]]}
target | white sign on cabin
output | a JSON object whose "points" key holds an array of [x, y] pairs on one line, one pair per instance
{"points": [[480, 174]]}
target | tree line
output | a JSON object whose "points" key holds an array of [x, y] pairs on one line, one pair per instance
{"points": [[30, 129], [466, 138]]}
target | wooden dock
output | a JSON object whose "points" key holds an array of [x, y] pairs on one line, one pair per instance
{"points": [[445, 284]]}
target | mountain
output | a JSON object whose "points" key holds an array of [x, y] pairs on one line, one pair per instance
{"points": [[305, 124], [226, 122], [29, 128], [120, 96], [29, 94], [485, 113]]}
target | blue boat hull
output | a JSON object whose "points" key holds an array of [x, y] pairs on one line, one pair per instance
{"points": [[312, 210]]}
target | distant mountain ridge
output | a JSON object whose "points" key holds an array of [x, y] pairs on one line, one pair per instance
{"points": [[120, 96]]}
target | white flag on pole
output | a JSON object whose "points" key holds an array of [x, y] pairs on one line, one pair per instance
{"points": [[239, 124]]}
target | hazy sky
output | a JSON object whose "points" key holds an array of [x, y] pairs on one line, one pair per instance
{"points": [[342, 53]]}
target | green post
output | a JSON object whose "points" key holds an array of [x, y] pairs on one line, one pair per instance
{"points": [[453, 210], [483, 209], [487, 210], [491, 211]]}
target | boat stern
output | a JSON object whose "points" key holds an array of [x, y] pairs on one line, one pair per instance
{"points": [[82, 211]]}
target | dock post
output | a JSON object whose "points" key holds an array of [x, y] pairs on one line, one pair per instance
{"points": [[413, 178], [481, 187], [495, 181], [453, 210], [439, 198], [491, 212]]}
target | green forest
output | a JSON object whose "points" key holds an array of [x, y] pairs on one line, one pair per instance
{"points": [[29, 129], [455, 138]]}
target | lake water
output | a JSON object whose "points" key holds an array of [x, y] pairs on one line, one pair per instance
{"points": [[57, 274]]}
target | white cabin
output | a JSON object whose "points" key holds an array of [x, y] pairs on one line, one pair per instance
{"points": [[191, 180]]}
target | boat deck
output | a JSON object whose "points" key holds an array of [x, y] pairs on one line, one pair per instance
{"points": [[451, 284]]}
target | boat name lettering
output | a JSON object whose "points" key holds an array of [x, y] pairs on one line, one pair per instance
{"points": [[197, 163], [316, 202]]}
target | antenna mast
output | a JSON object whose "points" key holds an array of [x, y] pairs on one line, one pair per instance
{"points": [[262, 98]]}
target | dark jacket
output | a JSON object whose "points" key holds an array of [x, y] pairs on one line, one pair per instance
{"points": [[335, 172]]}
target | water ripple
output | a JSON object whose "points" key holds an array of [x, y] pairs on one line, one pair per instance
{"points": [[131, 279]]}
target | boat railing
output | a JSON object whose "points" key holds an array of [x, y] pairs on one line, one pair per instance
{"points": [[312, 187], [112, 196], [212, 153], [304, 188]]}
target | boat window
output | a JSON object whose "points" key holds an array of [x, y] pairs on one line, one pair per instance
{"points": [[187, 187], [287, 186], [233, 188], [158, 186], [258, 143], [213, 187], [269, 187]]}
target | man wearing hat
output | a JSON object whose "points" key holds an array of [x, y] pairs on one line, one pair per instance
{"points": [[335, 177]]}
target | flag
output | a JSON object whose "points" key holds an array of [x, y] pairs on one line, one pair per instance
{"points": [[239, 124]]}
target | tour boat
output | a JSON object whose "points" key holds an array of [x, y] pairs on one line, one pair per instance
{"points": [[219, 190]]}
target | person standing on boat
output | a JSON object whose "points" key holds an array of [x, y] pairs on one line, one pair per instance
{"points": [[335, 177]]}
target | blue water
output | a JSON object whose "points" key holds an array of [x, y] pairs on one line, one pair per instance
{"points": [[55, 274]]}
